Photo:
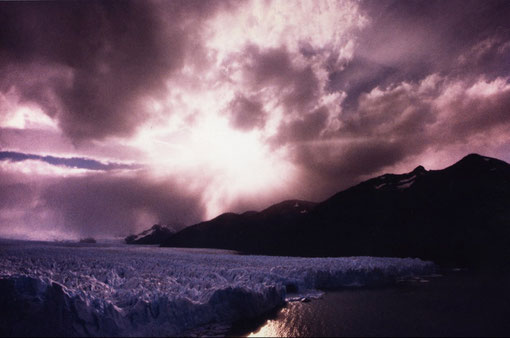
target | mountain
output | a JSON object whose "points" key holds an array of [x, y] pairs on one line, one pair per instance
{"points": [[155, 235], [245, 232], [458, 216]]}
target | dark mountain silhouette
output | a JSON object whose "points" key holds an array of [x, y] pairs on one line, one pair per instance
{"points": [[247, 232], [155, 235], [456, 216]]}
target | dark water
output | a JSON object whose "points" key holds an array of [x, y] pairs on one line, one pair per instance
{"points": [[456, 304]]}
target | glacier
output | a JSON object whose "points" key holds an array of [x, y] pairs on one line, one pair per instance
{"points": [[121, 290]]}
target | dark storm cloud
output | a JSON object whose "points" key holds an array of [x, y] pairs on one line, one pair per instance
{"points": [[359, 76], [73, 162], [246, 113], [296, 87], [434, 112], [359, 158], [95, 204], [14, 193], [397, 112], [102, 204], [306, 128], [90, 63], [468, 115], [336, 166]]}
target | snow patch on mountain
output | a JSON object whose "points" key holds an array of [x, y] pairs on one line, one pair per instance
{"points": [[407, 183], [379, 186]]}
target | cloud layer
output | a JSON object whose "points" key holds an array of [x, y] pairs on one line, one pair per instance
{"points": [[209, 106]]}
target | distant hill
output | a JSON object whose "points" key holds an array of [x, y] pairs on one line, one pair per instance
{"points": [[456, 216], [155, 235]]}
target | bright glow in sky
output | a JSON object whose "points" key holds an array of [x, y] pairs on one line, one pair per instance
{"points": [[225, 163]]}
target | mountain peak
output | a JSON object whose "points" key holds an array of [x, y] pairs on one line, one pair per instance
{"points": [[474, 157], [476, 161], [419, 169], [155, 235]]}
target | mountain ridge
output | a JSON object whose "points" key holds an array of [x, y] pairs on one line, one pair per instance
{"points": [[458, 215]]}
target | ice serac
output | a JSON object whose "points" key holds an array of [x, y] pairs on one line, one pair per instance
{"points": [[147, 291]]}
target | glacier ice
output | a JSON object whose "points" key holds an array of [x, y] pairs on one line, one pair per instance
{"points": [[143, 290]]}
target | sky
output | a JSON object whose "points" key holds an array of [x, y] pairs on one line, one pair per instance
{"points": [[118, 115]]}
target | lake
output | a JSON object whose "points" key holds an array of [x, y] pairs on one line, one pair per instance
{"points": [[460, 303]]}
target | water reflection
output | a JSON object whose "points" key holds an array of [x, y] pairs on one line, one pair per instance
{"points": [[274, 327], [290, 321]]}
